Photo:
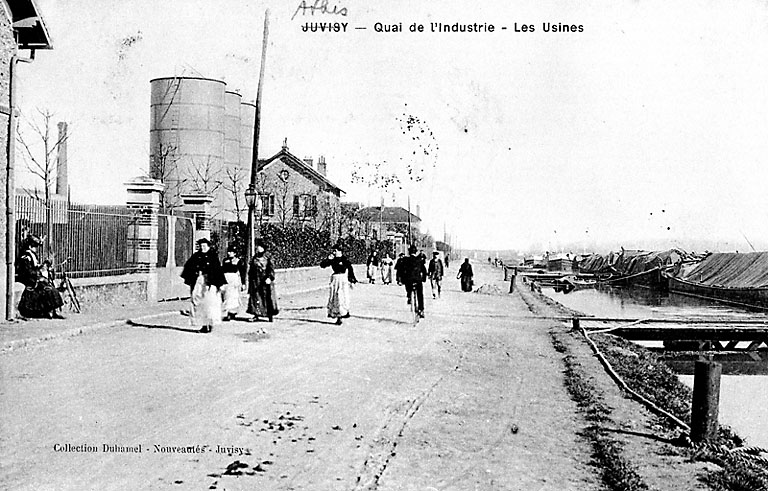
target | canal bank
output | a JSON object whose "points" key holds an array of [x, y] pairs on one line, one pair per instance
{"points": [[745, 374], [723, 467]]}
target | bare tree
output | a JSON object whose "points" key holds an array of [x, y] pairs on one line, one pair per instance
{"points": [[205, 177], [42, 163], [164, 166], [283, 204], [234, 179]]}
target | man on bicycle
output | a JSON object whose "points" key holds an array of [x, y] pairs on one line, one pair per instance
{"points": [[413, 274]]}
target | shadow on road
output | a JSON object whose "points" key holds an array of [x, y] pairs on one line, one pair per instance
{"points": [[161, 326], [309, 321]]}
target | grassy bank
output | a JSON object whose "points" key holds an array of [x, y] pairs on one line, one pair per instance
{"points": [[646, 374]]}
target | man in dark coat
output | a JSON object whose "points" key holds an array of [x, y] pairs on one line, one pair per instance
{"points": [[412, 274], [435, 273]]}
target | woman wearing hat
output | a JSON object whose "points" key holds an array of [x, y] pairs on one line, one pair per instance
{"points": [[40, 298], [262, 298], [343, 275], [234, 272], [204, 276]]}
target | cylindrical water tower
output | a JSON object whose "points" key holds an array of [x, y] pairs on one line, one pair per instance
{"points": [[232, 137], [234, 178], [247, 117], [186, 136]]}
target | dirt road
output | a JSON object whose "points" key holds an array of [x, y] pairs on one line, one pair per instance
{"points": [[470, 398]]}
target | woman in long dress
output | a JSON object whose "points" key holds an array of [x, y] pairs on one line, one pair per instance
{"points": [[465, 275], [262, 298], [386, 270], [234, 272], [39, 298], [341, 278], [204, 276]]}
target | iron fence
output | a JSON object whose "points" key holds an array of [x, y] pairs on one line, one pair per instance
{"points": [[93, 239]]}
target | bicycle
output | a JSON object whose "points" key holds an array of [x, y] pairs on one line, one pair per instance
{"points": [[66, 286], [412, 304]]}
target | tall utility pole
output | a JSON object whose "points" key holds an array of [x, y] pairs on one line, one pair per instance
{"points": [[256, 128], [410, 235]]}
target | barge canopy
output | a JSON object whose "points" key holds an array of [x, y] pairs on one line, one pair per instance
{"points": [[730, 270]]}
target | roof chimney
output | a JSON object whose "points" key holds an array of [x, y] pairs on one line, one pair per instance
{"points": [[62, 177], [308, 161], [321, 167]]}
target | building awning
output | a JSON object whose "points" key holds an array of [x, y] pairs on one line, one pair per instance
{"points": [[29, 26]]}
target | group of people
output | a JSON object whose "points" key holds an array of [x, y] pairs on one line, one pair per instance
{"points": [[215, 286], [379, 267], [212, 283]]}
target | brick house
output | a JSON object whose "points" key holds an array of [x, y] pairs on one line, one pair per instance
{"points": [[21, 28], [295, 192]]}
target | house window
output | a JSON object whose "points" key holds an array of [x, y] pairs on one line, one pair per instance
{"points": [[267, 204], [304, 206]]}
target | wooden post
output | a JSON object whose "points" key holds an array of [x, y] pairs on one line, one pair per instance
{"points": [[706, 400], [576, 323], [511, 282]]}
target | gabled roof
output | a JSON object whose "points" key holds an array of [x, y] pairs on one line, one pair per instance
{"points": [[387, 214], [28, 23], [299, 166]]}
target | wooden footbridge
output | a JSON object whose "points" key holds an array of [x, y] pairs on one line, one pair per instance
{"points": [[686, 334]]}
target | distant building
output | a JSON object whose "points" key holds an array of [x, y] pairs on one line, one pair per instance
{"points": [[21, 28], [380, 221]]}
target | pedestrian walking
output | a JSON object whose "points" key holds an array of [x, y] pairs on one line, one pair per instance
{"points": [[435, 272], [372, 266], [40, 298], [446, 261], [413, 274], [465, 275], [203, 274], [398, 268], [387, 264], [262, 297], [234, 273], [339, 289]]}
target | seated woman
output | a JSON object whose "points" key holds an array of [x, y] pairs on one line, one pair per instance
{"points": [[40, 298]]}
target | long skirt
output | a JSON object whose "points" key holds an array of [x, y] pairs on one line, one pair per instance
{"points": [[371, 272], [262, 301], [338, 299], [232, 293], [40, 300], [386, 274], [466, 283], [206, 304]]}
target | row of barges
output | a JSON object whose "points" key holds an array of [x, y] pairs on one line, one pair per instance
{"points": [[731, 277]]}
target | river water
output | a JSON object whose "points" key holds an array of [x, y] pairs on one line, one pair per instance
{"points": [[743, 398]]}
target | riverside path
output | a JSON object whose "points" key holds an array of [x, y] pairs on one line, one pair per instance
{"points": [[472, 397]]}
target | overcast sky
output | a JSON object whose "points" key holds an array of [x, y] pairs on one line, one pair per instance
{"points": [[649, 127]]}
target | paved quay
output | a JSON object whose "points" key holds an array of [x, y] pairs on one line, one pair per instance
{"points": [[472, 397]]}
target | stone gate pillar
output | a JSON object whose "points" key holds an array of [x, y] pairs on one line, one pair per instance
{"points": [[144, 203], [199, 205]]}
